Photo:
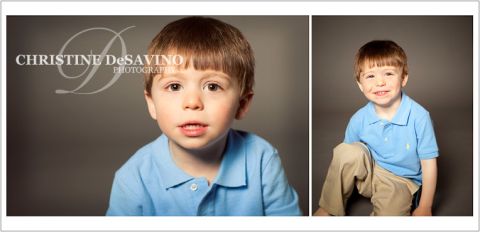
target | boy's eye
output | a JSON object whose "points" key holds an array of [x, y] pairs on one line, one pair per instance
{"points": [[174, 87], [213, 87], [389, 74], [369, 76]]}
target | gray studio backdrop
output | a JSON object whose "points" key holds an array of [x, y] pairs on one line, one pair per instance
{"points": [[440, 59], [63, 149]]}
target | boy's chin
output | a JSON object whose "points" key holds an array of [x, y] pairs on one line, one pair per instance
{"points": [[192, 145], [383, 104], [196, 143], [380, 100]]}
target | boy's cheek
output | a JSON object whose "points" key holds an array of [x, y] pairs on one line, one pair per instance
{"points": [[223, 110]]}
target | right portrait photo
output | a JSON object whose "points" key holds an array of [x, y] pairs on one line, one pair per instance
{"points": [[392, 115]]}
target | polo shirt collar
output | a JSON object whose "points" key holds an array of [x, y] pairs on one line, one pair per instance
{"points": [[401, 116], [372, 115], [232, 171], [170, 174]]}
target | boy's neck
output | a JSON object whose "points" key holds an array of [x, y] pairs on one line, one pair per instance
{"points": [[199, 163], [388, 112]]}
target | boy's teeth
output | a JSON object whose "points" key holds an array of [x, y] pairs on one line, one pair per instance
{"points": [[192, 126]]}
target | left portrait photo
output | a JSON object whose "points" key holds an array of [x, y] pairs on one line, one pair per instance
{"points": [[157, 115]]}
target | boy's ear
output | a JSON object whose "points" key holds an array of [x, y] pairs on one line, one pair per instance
{"points": [[405, 80], [360, 86], [150, 105], [244, 105]]}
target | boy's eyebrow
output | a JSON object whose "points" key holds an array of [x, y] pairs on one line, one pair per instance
{"points": [[363, 73], [392, 69], [159, 77]]}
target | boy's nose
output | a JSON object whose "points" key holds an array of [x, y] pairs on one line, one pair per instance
{"points": [[380, 82], [193, 101]]}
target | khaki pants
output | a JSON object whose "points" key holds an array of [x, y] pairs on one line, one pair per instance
{"points": [[352, 166]]}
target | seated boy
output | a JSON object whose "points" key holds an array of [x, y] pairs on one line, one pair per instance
{"points": [[199, 166], [389, 149]]}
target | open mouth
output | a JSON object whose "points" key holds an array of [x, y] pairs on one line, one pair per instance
{"points": [[192, 126], [193, 129]]}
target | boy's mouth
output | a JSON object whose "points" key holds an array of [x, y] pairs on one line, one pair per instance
{"points": [[193, 129], [380, 93]]}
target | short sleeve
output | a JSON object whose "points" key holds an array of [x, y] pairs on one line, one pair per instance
{"points": [[279, 198], [427, 144], [351, 133], [123, 200]]}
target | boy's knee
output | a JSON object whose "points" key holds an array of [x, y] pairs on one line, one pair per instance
{"points": [[347, 153]]}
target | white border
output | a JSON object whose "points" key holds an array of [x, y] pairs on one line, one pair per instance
{"points": [[239, 8], [475, 114], [241, 223], [4, 118]]}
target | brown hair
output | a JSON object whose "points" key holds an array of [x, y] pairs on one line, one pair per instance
{"points": [[380, 53], [206, 43]]}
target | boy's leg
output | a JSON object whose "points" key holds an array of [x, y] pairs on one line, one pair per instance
{"points": [[392, 194], [351, 165]]}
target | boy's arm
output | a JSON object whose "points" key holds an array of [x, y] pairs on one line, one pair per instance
{"points": [[279, 198], [429, 177], [351, 133]]}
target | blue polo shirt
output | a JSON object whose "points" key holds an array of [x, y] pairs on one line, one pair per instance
{"points": [[397, 145], [250, 182]]}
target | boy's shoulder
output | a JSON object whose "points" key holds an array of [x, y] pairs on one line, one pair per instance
{"points": [[255, 150], [142, 157], [417, 109], [362, 113]]}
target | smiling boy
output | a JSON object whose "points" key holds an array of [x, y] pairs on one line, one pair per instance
{"points": [[389, 150], [200, 166]]}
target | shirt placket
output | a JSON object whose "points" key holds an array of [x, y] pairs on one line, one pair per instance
{"points": [[387, 134], [207, 204], [199, 190]]}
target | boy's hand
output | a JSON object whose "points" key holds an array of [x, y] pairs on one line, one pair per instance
{"points": [[422, 211]]}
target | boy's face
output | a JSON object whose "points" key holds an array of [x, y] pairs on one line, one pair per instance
{"points": [[196, 108], [382, 85]]}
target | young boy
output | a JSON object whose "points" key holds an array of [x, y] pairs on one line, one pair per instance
{"points": [[389, 149], [199, 166]]}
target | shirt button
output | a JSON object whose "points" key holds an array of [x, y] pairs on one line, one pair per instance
{"points": [[194, 187], [386, 139]]}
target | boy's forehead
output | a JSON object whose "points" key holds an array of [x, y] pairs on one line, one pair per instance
{"points": [[190, 71]]}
